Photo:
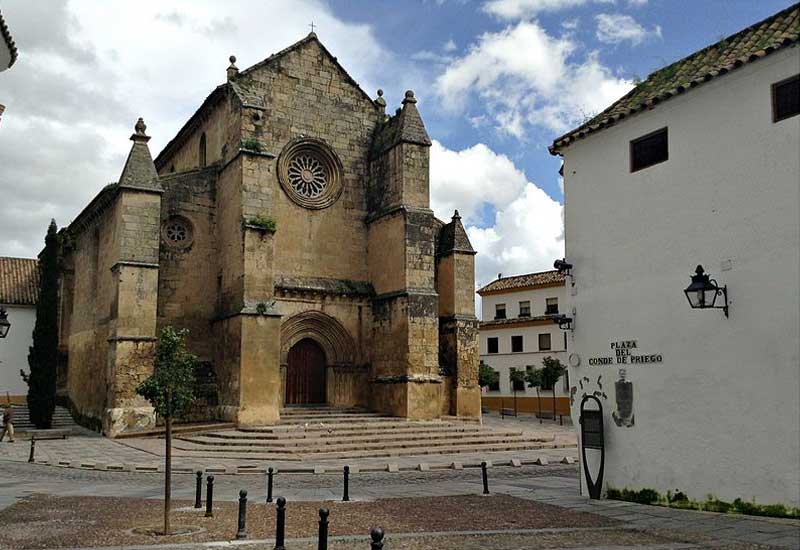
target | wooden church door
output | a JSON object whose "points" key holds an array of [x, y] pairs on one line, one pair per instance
{"points": [[305, 374]]}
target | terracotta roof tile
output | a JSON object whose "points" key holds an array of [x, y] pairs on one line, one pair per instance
{"points": [[6, 34], [529, 280], [756, 41], [19, 281]]}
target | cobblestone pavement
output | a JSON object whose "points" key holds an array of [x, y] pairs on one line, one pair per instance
{"points": [[91, 451], [555, 484]]}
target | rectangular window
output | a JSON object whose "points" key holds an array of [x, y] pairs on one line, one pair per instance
{"points": [[786, 98], [544, 342], [551, 306], [516, 344], [649, 150], [525, 309], [500, 311], [517, 385], [492, 345]]}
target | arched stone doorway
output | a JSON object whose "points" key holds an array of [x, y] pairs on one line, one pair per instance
{"points": [[305, 373]]}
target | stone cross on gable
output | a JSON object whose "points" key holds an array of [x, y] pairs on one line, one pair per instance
{"points": [[313, 26]]}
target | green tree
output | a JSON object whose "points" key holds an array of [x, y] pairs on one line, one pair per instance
{"points": [[43, 354], [534, 379], [170, 391], [487, 376], [515, 377], [552, 371]]}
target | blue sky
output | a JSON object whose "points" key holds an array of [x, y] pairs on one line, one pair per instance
{"points": [[497, 81]]}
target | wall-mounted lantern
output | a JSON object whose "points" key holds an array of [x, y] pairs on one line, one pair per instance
{"points": [[564, 322], [703, 292], [563, 266], [5, 325]]}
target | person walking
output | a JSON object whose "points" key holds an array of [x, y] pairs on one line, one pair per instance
{"points": [[8, 424]]}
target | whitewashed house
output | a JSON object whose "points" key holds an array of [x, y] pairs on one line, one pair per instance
{"points": [[698, 165], [19, 289], [8, 51], [517, 331]]}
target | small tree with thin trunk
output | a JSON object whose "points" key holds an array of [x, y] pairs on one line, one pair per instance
{"points": [[534, 379], [552, 371], [516, 377], [170, 391], [43, 354], [487, 376]]}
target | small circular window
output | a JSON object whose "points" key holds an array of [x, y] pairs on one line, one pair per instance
{"points": [[176, 232], [310, 173]]}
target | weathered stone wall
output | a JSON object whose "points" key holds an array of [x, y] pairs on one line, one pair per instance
{"points": [[187, 284]]}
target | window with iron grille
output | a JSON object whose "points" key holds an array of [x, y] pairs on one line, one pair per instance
{"points": [[786, 98], [649, 150]]}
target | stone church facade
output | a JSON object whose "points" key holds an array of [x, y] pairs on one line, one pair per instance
{"points": [[287, 226]]}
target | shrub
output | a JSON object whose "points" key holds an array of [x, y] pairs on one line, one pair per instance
{"points": [[264, 222], [252, 144]]}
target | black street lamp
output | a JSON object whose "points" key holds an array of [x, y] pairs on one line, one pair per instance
{"points": [[703, 291], [5, 325]]}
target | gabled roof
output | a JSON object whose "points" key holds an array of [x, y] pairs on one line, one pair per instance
{"points": [[19, 281], [240, 87], [756, 41], [527, 281], [5, 34]]}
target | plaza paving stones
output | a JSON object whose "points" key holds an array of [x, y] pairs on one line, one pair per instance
{"points": [[554, 484]]}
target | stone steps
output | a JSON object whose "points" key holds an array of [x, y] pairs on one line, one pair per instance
{"points": [[268, 436], [343, 428], [62, 419], [360, 441]]}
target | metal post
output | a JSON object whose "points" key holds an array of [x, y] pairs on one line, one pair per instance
{"points": [[485, 476], [561, 419], [241, 533], [198, 490], [346, 495], [376, 534], [210, 497], [323, 529], [270, 471], [31, 456], [280, 532]]}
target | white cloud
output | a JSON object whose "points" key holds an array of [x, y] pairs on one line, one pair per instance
{"points": [[522, 76], [521, 9], [613, 28], [450, 46], [89, 68], [526, 232], [571, 24]]}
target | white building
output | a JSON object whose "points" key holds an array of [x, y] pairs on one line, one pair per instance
{"points": [[518, 331], [8, 51], [699, 164], [19, 288]]}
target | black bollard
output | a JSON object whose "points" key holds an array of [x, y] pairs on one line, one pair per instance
{"points": [[485, 478], [280, 525], [210, 497], [376, 534], [198, 491], [31, 456], [241, 533], [270, 471], [346, 494], [323, 529]]}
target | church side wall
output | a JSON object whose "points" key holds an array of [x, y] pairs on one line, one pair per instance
{"points": [[90, 322], [187, 285]]}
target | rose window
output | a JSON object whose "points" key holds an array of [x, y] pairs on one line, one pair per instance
{"points": [[310, 173], [176, 232], [307, 176]]}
